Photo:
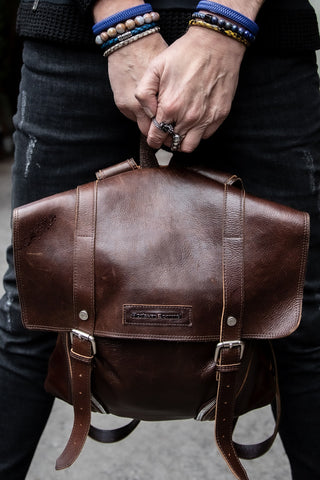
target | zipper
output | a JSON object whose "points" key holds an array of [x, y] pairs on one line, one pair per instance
{"points": [[35, 5]]}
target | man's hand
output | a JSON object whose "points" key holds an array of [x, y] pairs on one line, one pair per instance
{"points": [[126, 69], [191, 84]]}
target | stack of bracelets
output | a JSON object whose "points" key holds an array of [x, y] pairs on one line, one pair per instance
{"points": [[125, 27], [243, 30], [129, 25]]}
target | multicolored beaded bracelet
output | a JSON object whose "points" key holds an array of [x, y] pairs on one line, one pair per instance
{"points": [[126, 42], [216, 28], [128, 34], [128, 25], [121, 17], [225, 25], [229, 14]]}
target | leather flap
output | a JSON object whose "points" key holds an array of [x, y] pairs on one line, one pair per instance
{"points": [[158, 268]]}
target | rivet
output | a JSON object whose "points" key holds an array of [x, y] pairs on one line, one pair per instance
{"points": [[231, 321], [83, 315]]}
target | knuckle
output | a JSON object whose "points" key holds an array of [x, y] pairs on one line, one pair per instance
{"points": [[140, 94], [192, 117], [122, 102], [220, 113], [170, 113]]}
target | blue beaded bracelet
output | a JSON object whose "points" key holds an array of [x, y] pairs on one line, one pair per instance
{"points": [[230, 14], [130, 33], [224, 24], [121, 17]]}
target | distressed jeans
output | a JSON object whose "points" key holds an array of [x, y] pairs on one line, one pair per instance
{"points": [[67, 127]]}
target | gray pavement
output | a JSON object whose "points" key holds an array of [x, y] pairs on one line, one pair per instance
{"points": [[183, 450]]}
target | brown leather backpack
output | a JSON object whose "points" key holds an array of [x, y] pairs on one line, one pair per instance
{"points": [[165, 286]]}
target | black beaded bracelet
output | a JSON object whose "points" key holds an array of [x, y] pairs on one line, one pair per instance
{"points": [[225, 26]]}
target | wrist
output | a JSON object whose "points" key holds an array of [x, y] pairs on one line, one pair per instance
{"points": [[204, 38], [104, 8]]}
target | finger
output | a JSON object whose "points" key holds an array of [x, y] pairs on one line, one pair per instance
{"points": [[190, 140], [143, 122], [147, 92], [157, 136], [212, 128]]}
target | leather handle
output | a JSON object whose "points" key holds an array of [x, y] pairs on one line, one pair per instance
{"points": [[112, 436], [147, 155]]}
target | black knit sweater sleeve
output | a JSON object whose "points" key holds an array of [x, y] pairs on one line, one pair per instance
{"points": [[85, 4], [291, 28]]}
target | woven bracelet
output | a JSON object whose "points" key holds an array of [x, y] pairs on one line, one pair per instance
{"points": [[228, 33], [129, 34], [130, 40], [230, 14], [121, 17]]}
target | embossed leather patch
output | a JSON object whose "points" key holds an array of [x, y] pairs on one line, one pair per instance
{"points": [[157, 315]]}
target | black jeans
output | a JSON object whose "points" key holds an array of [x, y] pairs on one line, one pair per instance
{"points": [[67, 127]]}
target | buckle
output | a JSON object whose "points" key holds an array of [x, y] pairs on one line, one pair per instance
{"points": [[84, 336], [229, 344]]}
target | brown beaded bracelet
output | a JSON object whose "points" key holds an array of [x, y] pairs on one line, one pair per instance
{"points": [[128, 25]]}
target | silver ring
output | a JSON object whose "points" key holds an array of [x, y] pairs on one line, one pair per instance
{"points": [[165, 127], [176, 141]]}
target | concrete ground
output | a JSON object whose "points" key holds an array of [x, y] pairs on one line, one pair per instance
{"points": [[180, 450]]}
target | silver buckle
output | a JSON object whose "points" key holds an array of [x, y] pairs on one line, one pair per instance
{"points": [[229, 344], [84, 336]]}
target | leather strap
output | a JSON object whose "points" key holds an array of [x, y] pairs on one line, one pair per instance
{"points": [[252, 451], [82, 349], [231, 325], [81, 383], [229, 360], [112, 436], [147, 155]]}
